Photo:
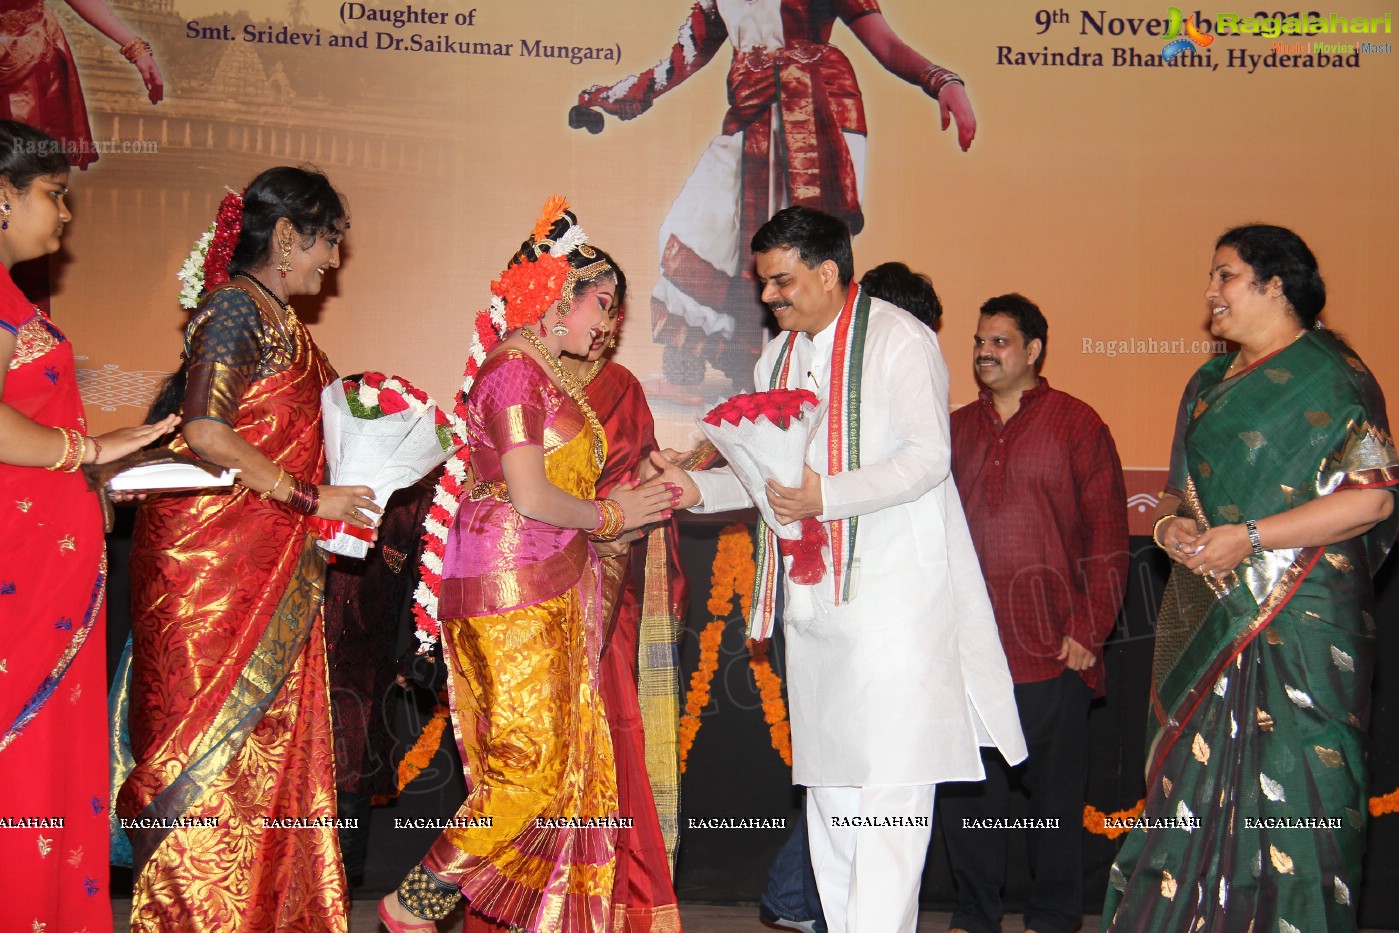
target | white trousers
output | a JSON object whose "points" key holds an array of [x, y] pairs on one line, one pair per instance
{"points": [[868, 874]]}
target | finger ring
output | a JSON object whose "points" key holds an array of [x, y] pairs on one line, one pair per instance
{"points": [[1179, 546]]}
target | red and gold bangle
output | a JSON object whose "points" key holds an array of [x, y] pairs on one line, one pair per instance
{"points": [[935, 78], [136, 48], [74, 447], [305, 497], [96, 449], [611, 521]]}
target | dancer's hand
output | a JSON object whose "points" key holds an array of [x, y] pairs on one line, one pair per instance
{"points": [[644, 504], [953, 104]]}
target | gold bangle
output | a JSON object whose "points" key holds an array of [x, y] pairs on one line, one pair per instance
{"points": [[935, 78], [611, 521], [1157, 528], [136, 48], [74, 448], [62, 456], [267, 494]]}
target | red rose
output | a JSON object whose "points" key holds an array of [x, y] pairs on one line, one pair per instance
{"points": [[440, 417], [390, 402], [417, 393], [351, 387], [374, 380]]}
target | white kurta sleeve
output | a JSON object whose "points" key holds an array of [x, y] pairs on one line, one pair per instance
{"points": [[720, 491], [915, 387]]}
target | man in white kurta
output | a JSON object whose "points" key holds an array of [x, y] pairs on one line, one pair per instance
{"points": [[893, 690]]}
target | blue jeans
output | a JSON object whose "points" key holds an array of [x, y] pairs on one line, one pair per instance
{"points": [[791, 891]]}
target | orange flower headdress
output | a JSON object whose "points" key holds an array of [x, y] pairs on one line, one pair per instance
{"points": [[537, 276]]}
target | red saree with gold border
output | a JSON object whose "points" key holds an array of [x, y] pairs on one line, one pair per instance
{"points": [[53, 747], [643, 596], [231, 804]]}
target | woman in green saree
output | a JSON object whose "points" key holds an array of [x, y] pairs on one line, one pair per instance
{"points": [[1279, 511]]}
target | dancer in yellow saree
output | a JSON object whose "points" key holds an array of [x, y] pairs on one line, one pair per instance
{"points": [[230, 801], [521, 610], [1285, 474]]}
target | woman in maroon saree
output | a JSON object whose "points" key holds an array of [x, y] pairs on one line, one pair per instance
{"points": [[644, 598]]}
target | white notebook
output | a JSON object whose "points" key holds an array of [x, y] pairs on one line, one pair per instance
{"points": [[169, 476]]}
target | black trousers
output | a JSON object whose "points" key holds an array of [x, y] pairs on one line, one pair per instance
{"points": [[1054, 718]]}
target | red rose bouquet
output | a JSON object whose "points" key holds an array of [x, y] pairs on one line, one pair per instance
{"points": [[765, 435], [381, 432]]}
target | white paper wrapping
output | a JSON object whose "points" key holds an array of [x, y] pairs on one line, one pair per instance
{"points": [[759, 450], [385, 454]]}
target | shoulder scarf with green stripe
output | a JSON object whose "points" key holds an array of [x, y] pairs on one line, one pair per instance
{"points": [[843, 453]]}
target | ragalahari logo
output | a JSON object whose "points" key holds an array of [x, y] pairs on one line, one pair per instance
{"points": [[1177, 43]]}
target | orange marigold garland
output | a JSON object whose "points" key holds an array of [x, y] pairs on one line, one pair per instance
{"points": [[770, 690], [423, 751], [1113, 824], [733, 575], [1385, 804], [698, 696]]}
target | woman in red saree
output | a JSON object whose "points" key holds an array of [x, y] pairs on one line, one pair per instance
{"points": [[644, 596], [53, 673], [230, 803]]}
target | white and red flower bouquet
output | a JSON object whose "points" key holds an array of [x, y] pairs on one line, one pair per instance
{"points": [[381, 432], [765, 435]]}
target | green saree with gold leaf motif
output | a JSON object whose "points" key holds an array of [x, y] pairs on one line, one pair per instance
{"points": [[1255, 807]]}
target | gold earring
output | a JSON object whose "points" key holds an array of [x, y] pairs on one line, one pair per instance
{"points": [[560, 329], [612, 342], [285, 266]]}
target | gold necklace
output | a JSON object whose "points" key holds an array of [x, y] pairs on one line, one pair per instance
{"points": [[592, 373], [1239, 357], [569, 383]]}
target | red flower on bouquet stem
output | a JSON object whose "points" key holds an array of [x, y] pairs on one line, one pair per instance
{"points": [[374, 380], [390, 402], [808, 563]]}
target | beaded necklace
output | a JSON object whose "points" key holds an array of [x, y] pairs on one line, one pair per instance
{"points": [[569, 383], [288, 312]]}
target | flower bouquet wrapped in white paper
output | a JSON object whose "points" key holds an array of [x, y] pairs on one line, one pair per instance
{"points": [[765, 435], [381, 432]]}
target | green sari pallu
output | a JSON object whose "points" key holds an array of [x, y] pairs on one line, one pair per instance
{"points": [[1256, 768]]}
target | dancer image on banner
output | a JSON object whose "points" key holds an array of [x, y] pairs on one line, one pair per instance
{"points": [[39, 79], [794, 134]]}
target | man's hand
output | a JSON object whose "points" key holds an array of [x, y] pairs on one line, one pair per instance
{"points": [[668, 472], [1075, 656], [646, 469], [792, 505]]}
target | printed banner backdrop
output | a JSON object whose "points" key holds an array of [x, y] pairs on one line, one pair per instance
{"points": [[1097, 182]]}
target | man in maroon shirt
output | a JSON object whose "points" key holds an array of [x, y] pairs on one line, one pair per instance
{"points": [[1042, 487]]}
